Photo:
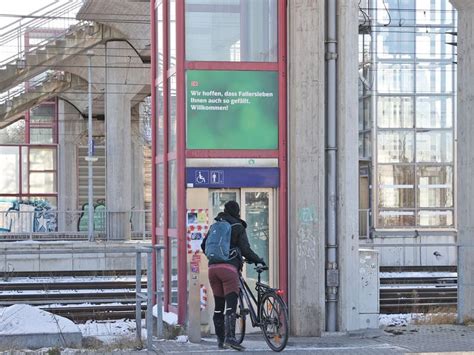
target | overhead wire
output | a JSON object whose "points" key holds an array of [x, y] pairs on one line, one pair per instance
{"points": [[388, 13]]}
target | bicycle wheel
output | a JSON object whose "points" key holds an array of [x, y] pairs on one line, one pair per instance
{"points": [[240, 322], [274, 321]]}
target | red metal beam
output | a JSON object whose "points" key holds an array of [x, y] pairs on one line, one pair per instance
{"points": [[167, 264], [232, 66], [229, 153], [181, 161], [283, 148], [153, 133]]}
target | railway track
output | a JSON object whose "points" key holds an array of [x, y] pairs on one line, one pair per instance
{"points": [[418, 291], [78, 300], [98, 296]]}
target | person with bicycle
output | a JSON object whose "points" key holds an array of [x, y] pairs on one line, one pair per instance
{"points": [[224, 276]]}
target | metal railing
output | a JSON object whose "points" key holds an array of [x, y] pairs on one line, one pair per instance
{"points": [[30, 222], [48, 19], [31, 85], [149, 295]]}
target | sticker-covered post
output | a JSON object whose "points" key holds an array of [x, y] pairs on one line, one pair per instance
{"points": [[194, 301]]}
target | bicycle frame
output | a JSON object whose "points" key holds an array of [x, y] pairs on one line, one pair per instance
{"points": [[273, 321], [247, 293]]}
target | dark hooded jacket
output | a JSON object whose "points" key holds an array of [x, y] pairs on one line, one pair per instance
{"points": [[239, 240]]}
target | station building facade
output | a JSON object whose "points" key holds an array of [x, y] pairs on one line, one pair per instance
{"points": [[243, 108]]}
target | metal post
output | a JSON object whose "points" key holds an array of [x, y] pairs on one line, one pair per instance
{"points": [[90, 156], [159, 294], [138, 305], [149, 301], [143, 226], [332, 272]]}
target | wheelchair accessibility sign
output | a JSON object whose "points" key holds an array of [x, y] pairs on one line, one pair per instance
{"points": [[201, 177]]}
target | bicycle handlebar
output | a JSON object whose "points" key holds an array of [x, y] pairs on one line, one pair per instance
{"points": [[259, 268]]}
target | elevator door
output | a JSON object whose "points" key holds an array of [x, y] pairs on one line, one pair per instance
{"points": [[258, 210]]}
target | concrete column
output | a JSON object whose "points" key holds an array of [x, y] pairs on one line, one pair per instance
{"points": [[465, 159], [118, 137], [70, 126], [348, 164], [306, 166], [137, 181]]}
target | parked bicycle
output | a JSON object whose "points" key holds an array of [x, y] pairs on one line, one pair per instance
{"points": [[267, 311]]}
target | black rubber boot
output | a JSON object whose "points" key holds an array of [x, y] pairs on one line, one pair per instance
{"points": [[230, 340], [220, 329]]}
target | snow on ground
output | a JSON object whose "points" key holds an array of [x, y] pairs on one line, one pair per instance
{"points": [[406, 274], [168, 317], [398, 319], [25, 319], [110, 331]]}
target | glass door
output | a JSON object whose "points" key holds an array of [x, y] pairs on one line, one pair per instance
{"points": [[218, 199], [259, 212]]}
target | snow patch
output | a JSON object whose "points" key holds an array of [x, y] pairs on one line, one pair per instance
{"points": [[109, 331], [398, 319], [25, 319], [168, 317]]}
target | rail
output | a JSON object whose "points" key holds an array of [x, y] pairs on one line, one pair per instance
{"points": [[417, 292], [150, 296], [23, 221], [30, 85]]}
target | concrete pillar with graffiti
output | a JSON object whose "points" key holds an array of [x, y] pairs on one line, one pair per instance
{"points": [[70, 127]]}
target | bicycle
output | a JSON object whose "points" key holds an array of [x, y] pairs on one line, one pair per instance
{"points": [[271, 315]]}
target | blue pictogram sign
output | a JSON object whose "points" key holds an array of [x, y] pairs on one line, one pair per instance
{"points": [[232, 177], [201, 177]]}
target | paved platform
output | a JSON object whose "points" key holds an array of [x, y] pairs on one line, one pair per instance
{"points": [[412, 339]]}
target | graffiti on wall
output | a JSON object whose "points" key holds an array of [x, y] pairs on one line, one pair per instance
{"points": [[22, 216], [99, 217], [306, 239]]}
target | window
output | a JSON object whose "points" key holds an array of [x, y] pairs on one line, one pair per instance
{"points": [[172, 33], [395, 112], [396, 186], [160, 134], [434, 77], [396, 44], [174, 271], [395, 146], [160, 194], [43, 123], [159, 39], [414, 114], [13, 133], [434, 146], [395, 78], [434, 112], [172, 108], [10, 176], [432, 44], [435, 186], [173, 195], [231, 30]]}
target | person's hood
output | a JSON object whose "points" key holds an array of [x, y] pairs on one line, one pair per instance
{"points": [[231, 219]]}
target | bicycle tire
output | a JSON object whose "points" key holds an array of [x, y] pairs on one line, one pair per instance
{"points": [[274, 321], [241, 321]]}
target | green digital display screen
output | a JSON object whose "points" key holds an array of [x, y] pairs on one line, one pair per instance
{"points": [[231, 109]]}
